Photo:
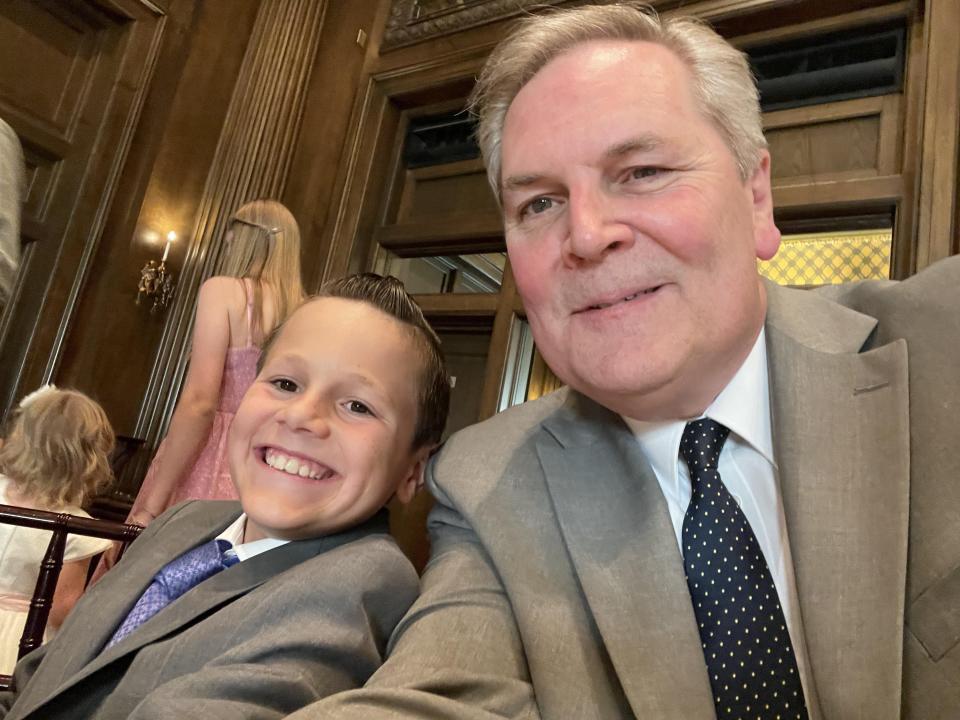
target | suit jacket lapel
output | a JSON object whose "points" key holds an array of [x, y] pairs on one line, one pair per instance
{"points": [[618, 532], [118, 591], [840, 420]]}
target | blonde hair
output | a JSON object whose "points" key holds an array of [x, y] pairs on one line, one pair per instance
{"points": [[57, 451], [721, 78], [266, 249]]}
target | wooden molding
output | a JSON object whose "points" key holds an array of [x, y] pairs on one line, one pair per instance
{"points": [[499, 339], [937, 235], [473, 233], [864, 191], [448, 305]]}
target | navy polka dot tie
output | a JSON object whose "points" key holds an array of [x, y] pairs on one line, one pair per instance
{"points": [[752, 667]]}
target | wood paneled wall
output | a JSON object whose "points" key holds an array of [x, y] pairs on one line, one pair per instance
{"points": [[73, 81], [124, 109], [122, 104]]}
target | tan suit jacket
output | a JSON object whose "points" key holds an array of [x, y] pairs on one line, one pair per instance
{"points": [[258, 640], [556, 584]]}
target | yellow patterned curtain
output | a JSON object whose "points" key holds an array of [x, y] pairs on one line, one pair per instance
{"points": [[830, 258]]}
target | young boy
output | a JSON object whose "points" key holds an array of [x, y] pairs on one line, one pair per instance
{"points": [[350, 398]]}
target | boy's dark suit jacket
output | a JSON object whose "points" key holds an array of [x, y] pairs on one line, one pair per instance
{"points": [[258, 640]]}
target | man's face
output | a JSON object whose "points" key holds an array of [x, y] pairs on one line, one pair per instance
{"points": [[322, 439], [632, 238]]}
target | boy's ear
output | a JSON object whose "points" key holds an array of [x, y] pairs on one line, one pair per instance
{"points": [[413, 479]]}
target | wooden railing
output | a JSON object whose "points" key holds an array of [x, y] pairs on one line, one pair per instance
{"points": [[60, 525]]}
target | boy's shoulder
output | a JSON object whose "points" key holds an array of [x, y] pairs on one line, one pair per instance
{"points": [[359, 553], [368, 572], [365, 555], [198, 511]]}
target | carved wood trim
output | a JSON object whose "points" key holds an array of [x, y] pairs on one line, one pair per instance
{"points": [[413, 21], [404, 27]]}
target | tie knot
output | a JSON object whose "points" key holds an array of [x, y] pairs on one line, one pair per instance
{"points": [[701, 444], [194, 567]]}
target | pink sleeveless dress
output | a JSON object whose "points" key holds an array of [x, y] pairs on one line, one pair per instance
{"points": [[209, 478]]}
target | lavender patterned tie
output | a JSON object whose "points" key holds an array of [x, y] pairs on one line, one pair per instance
{"points": [[172, 581]]}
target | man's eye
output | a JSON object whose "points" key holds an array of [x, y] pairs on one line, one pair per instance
{"points": [[537, 206], [640, 173], [284, 384], [355, 406]]}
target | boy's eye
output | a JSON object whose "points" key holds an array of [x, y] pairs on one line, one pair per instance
{"points": [[355, 406], [284, 384]]}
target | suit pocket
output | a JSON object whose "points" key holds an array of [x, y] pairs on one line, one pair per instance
{"points": [[934, 617]]}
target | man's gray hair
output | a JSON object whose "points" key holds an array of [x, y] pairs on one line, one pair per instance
{"points": [[722, 82]]}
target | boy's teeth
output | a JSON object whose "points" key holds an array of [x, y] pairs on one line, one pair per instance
{"points": [[293, 466]]}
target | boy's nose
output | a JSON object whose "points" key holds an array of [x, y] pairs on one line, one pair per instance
{"points": [[307, 414]]}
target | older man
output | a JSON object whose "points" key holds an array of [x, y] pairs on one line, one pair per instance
{"points": [[715, 519]]}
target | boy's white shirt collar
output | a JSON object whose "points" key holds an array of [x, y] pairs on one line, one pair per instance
{"points": [[233, 534]]}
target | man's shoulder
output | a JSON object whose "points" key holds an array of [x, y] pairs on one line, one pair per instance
{"points": [[932, 284], [855, 316], [483, 459], [511, 427], [920, 306]]}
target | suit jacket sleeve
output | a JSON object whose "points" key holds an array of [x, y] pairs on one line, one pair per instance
{"points": [[321, 635], [457, 654]]}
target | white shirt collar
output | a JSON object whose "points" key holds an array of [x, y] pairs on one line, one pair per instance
{"points": [[233, 534], [743, 406]]}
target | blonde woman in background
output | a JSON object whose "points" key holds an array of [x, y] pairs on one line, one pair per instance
{"points": [[257, 287], [55, 458]]}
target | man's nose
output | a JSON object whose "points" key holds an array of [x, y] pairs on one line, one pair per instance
{"points": [[593, 231]]}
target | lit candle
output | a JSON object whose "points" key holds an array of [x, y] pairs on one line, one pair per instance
{"points": [[171, 236]]}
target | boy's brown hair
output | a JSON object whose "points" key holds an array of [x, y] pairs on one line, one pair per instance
{"points": [[387, 294]]}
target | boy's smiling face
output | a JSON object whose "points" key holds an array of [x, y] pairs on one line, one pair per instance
{"points": [[323, 437]]}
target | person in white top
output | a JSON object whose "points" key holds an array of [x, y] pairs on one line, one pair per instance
{"points": [[55, 457], [715, 518]]}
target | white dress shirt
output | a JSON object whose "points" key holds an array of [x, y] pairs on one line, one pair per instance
{"points": [[233, 534], [749, 472]]}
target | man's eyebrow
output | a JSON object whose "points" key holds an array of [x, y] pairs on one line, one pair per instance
{"points": [[515, 182], [641, 143]]}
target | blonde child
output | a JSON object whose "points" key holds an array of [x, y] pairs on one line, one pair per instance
{"points": [[55, 457]]}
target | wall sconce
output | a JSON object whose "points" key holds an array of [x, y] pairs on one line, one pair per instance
{"points": [[155, 282]]}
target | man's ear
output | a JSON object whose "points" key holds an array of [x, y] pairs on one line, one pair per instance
{"points": [[413, 479], [766, 235]]}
